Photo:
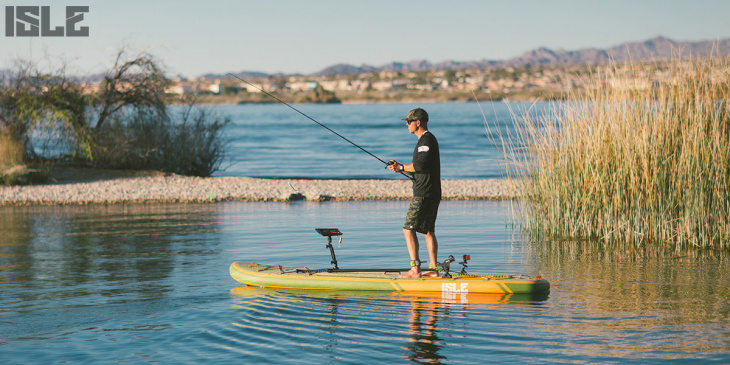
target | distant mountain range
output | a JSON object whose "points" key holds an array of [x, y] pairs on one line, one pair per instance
{"points": [[655, 48]]}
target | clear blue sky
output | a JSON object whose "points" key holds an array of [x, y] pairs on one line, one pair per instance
{"points": [[196, 37]]}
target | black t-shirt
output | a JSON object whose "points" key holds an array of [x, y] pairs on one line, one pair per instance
{"points": [[427, 163]]}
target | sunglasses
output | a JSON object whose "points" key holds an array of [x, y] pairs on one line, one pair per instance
{"points": [[408, 122]]}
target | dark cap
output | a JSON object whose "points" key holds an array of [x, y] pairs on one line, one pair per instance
{"points": [[417, 114]]}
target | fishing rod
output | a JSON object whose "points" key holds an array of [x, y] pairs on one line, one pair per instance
{"points": [[321, 125]]}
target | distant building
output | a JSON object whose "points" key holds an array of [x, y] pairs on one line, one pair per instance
{"points": [[252, 88], [303, 85], [331, 85], [382, 85], [215, 88], [180, 89], [630, 83], [91, 88]]}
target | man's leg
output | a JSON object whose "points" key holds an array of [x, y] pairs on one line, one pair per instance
{"points": [[412, 245], [433, 249]]}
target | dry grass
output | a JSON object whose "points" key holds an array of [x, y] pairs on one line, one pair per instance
{"points": [[641, 158], [10, 152]]}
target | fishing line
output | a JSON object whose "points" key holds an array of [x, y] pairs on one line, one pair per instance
{"points": [[320, 124]]}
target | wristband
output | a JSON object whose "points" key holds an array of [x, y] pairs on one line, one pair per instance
{"points": [[401, 168]]}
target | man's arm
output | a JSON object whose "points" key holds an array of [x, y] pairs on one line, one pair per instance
{"points": [[396, 167], [424, 157]]}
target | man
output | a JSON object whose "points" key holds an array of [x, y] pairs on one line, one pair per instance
{"points": [[426, 172]]}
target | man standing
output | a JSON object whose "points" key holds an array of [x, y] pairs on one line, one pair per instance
{"points": [[426, 172]]}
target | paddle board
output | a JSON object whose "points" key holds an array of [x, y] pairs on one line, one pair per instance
{"points": [[277, 276]]}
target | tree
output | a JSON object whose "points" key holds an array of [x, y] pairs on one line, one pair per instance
{"points": [[32, 99], [124, 124], [139, 83]]}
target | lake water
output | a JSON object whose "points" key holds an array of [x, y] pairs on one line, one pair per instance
{"points": [[275, 141], [150, 283]]}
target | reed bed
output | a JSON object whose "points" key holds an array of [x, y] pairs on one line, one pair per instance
{"points": [[641, 157]]}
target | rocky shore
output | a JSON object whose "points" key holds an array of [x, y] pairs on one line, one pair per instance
{"points": [[174, 188]]}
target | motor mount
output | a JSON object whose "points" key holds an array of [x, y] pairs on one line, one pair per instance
{"points": [[329, 232]]}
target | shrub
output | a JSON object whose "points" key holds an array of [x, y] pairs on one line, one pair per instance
{"points": [[48, 106], [124, 123], [196, 145], [189, 144]]}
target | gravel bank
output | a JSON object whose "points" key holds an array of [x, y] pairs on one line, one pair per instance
{"points": [[194, 189]]}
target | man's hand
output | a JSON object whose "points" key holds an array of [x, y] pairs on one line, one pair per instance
{"points": [[394, 166]]}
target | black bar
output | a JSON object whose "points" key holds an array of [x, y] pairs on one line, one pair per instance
{"points": [[332, 252]]}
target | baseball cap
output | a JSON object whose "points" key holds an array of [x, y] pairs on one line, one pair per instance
{"points": [[417, 114]]}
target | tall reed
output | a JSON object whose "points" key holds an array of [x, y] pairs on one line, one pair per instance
{"points": [[641, 157]]}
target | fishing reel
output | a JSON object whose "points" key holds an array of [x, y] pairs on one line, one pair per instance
{"points": [[447, 264], [393, 162]]}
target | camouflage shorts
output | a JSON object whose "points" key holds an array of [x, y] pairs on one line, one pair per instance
{"points": [[421, 215]]}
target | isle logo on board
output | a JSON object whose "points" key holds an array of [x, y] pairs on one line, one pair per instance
{"points": [[453, 288]]}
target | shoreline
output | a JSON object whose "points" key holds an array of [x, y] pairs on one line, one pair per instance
{"points": [[185, 189]]}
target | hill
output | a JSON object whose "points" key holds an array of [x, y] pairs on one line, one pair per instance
{"points": [[655, 48]]}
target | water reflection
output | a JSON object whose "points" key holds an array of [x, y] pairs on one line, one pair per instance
{"points": [[409, 321], [150, 283], [99, 254], [424, 340], [620, 293]]}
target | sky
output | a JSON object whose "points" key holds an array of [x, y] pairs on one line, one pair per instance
{"points": [[192, 38]]}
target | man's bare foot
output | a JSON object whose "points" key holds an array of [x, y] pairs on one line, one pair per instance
{"points": [[432, 273], [413, 273]]}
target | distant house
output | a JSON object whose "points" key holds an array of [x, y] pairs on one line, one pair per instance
{"points": [[180, 89], [215, 88], [252, 88], [382, 85], [333, 85], [91, 88], [422, 87], [303, 85]]}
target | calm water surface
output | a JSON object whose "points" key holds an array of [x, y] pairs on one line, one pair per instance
{"points": [[275, 141], [150, 283]]}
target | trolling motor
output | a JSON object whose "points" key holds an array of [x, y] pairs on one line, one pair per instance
{"points": [[329, 232]]}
